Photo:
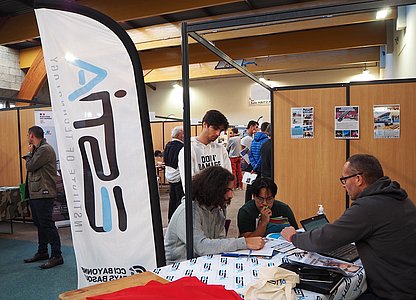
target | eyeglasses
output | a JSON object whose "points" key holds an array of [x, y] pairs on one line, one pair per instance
{"points": [[344, 179], [269, 199]]}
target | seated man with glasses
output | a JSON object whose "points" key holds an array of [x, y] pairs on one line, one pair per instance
{"points": [[264, 214], [382, 223]]}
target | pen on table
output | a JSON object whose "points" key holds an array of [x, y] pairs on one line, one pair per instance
{"points": [[249, 254]]}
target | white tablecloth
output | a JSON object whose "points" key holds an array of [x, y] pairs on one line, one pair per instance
{"points": [[236, 273]]}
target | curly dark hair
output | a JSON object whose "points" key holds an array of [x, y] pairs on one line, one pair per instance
{"points": [[210, 185], [215, 118], [368, 165], [263, 182]]}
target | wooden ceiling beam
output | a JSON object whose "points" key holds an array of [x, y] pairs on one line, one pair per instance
{"points": [[333, 38], [23, 27], [275, 64], [34, 79], [168, 35], [125, 10]]}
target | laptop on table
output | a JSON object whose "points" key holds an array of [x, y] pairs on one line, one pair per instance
{"points": [[347, 252]]}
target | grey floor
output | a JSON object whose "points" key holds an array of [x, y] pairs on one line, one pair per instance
{"points": [[27, 231]]}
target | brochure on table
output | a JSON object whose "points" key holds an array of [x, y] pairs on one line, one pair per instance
{"points": [[319, 261]]}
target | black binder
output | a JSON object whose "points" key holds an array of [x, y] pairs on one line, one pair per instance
{"points": [[315, 279]]}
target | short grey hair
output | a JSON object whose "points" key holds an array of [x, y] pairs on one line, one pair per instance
{"points": [[176, 131]]}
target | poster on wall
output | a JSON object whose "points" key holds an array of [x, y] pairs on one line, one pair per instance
{"points": [[302, 122], [104, 140], [259, 95], [386, 121], [44, 119], [347, 122]]}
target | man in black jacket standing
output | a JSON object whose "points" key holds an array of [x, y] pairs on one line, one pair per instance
{"points": [[41, 186], [170, 156], [382, 223], [266, 154]]}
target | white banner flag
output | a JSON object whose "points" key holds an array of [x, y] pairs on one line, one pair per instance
{"points": [[103, 133]]}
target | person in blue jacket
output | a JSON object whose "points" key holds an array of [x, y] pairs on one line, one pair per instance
{"points": [[255, 158]]}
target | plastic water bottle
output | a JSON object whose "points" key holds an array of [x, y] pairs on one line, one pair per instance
{"points": [[320, 210]]}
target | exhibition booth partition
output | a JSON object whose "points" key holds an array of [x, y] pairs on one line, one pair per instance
{"points": [[307, 167], [15, 123]]}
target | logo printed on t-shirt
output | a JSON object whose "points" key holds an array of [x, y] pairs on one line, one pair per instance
{"points": [[209, 161]]}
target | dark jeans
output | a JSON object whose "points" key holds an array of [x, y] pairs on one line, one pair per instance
{"points": [[175, 195], [47, 232]]}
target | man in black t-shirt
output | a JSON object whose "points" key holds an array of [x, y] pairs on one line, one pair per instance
{"points": [[264, 214]]}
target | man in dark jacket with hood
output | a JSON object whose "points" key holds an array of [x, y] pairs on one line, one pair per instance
{"points": [[382, 223]]}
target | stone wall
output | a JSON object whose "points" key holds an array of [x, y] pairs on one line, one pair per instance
{"points": [[11, 76]]}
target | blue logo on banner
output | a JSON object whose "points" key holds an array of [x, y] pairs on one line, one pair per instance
{"points": [[100, 74]]}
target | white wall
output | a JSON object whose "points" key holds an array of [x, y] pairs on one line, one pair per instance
{"points": [[230, 95], [401, 63]]}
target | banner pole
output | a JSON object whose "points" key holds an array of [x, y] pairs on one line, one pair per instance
{"points": [[187, 143]]}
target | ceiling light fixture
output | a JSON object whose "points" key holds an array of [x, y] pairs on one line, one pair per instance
{"points": [[176, 85], [382, 13], [264, 79]]}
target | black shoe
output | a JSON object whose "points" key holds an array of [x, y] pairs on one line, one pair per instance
{"points": [[53, 262], [37, 257]]}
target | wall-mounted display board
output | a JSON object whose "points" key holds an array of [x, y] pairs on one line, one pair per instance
{"points": [[307, 170], [397, 155]]}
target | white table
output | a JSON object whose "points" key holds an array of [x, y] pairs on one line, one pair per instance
{"points": [[236, 273]]}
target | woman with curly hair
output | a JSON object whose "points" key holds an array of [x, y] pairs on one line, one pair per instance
{"points": [[212, 191]]}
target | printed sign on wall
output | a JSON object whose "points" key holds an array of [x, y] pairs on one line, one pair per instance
{"points": [[302, 122], [347, 124], [386, 121]]}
